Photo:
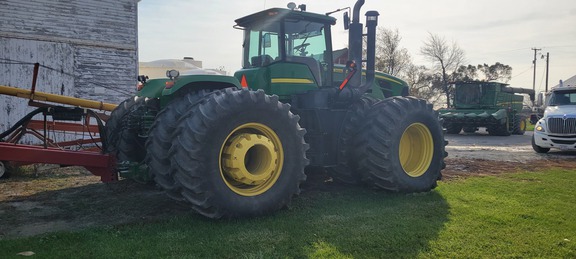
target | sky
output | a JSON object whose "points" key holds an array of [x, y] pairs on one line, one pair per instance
{"points": [[489, 31]]}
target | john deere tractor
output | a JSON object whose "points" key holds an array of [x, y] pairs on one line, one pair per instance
{"points": [[493, 105], [237, 146]]}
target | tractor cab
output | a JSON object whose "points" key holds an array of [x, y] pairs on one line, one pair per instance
{"points": [[286, 51]]}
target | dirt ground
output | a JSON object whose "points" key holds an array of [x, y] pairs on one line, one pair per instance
{"points": [[48, 199]]}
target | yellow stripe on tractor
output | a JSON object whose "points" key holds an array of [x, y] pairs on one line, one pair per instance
{"points": [[55, 98], [291, 81]]}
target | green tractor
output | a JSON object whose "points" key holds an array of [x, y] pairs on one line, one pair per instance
{"points": [[238, 146], [486, 104]]}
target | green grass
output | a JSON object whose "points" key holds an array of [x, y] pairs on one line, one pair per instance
{"points": [[510, 215], [529, 126]]}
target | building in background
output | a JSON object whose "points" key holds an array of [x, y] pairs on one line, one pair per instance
{"points": [[86, 49], [186, 66]]}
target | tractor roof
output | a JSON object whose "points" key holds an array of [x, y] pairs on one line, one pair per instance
{"points": [[273, 15]]}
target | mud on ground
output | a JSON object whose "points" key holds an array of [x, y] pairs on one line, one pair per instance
{"points": [[34, 202]]}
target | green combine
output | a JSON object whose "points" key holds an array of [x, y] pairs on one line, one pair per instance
{"points": [[493, 105]]}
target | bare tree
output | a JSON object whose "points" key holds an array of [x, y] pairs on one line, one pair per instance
{"points": [[446, 58], [390, 57], [424, 84]]}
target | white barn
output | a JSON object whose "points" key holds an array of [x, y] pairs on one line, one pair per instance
{"points": [[86, 49]]}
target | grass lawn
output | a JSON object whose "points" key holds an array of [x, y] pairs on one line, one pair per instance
{"points": [[509, 215]]}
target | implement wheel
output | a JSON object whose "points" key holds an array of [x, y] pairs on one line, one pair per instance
{"points": [[4, 170], [160, 136], [402, 146], [238, 153], [344, 172]]}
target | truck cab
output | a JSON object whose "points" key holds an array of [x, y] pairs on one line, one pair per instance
{"points": [[557, 128]]}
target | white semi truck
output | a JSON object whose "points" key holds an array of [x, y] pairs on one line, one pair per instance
{"points": [[557, 128]]}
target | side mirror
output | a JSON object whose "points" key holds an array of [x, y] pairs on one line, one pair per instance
{"points": [[346, 21]]}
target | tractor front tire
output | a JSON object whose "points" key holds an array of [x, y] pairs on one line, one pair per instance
{"points": [[343, 171], [402, 146], [121, 141], [159, 138], [238, 153]]}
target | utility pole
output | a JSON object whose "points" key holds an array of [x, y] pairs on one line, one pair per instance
{"points": [[534, 76], [547, 65]]}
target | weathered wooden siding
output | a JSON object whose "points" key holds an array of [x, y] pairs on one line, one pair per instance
{"points": [[87, 49]]}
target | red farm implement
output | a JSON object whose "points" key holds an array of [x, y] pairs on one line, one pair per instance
{"points": [[61, 130]]}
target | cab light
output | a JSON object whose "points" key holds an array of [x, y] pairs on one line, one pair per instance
{"points": [[169, 84]]}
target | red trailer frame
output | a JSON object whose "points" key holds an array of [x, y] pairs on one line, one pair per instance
{"points": [[87, 151]]}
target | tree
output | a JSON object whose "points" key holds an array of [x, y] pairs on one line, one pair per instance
{"points": [[424, 84], [445, 57], [390, 57], [465, 73], [496, 72]]}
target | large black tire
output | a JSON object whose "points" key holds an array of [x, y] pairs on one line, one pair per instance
{"points": [[453, 128], [116, 124], [402, 147], [539, 149], [519, 125], [468, 129], [160, 139], [4, 169], [344, 172], [123, 139], [499, 130], [238, 153]]}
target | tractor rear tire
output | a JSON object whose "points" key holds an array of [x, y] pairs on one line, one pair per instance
{"points": [[344, 172], [4, 169], [539, 149], [159, 138], [402, 146], [238, 153], [519, 125], [453, 128]]}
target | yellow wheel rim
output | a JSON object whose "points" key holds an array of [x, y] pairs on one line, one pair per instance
{"points": [[251, 159], [522, 125], [416, 149]]}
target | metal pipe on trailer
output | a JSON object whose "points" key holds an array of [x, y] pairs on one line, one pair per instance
{"points": [[98, 163]]}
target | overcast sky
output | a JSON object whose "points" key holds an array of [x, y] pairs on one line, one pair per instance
{"points": [[488, 31]]}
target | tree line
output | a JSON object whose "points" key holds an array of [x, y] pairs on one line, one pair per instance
{"points": [[447, 61]]}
